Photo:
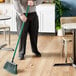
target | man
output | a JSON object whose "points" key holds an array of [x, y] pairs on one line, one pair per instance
{"points": [[31, 25]]}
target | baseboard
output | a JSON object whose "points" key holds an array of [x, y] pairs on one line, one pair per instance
{"points": [[40, 33], [1, 32]]}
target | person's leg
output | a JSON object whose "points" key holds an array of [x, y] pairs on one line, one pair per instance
{"points": [[22, 44], [33, 31]]}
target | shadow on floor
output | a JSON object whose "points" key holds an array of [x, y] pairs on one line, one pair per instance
{"points": [[45, 55], [50, 54]]}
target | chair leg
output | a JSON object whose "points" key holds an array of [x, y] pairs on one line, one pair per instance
{"points": [[9, 35], [63, 30], [5, 34], [65, 49], [62, 53]]}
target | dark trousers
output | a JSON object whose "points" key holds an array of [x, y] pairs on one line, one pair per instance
{"points": [[31, 27]]}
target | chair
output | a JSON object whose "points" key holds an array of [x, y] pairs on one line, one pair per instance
{"points": [[66, 24], [4, 27], [65, 21]]}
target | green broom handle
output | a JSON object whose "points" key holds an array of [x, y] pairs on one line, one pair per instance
{"points": [[20, 34]]}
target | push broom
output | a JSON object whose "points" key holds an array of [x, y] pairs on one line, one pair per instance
{"points": [[11, 66]]}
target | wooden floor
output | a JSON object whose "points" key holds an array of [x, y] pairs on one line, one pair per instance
{"points": [[50, 48]]}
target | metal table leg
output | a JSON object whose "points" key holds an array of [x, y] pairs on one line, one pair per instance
{"points": [[7, 49]]}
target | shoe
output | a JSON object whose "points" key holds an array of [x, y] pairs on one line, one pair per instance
{"points": [[38, 54], [21, 57]]}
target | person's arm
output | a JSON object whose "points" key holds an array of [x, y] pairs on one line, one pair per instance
{"points": [[17, 6], [39, 2]]}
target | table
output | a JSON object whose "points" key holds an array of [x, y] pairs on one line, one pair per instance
{"points": [[3, 18], [70, 26]]}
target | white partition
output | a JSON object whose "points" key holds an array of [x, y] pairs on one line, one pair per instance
{"points": [[46, 15]]}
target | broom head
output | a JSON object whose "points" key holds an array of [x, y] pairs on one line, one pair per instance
{"points": [[11, 67]]}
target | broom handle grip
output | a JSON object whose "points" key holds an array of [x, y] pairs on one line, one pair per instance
{"points": [[20, 34]]}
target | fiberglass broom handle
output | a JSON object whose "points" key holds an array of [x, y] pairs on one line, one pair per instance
{"points": [[20, 34]]}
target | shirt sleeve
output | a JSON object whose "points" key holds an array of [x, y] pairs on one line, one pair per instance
{"points": [[17, 6]]}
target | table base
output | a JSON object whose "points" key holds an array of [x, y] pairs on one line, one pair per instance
{"points": [[6, 49]]}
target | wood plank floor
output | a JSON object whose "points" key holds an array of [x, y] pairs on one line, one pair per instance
{"points": [[50, 48]]}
